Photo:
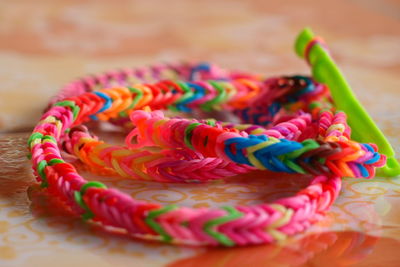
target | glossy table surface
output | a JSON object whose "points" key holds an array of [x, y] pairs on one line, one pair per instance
{"points": [[44, 44]]}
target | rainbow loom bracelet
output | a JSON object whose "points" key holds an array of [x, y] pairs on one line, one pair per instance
{"points": [[177, 162], [314, 140]]}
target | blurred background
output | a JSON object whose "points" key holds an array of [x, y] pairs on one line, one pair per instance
{"points": [[44, 44]]}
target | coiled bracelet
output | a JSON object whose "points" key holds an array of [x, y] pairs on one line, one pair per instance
{"points": [[288, 124]]}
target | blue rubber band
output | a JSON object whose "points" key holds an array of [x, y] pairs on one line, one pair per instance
{"points": [[374, 158], [363, 170], [107, 104], [202, 66]]}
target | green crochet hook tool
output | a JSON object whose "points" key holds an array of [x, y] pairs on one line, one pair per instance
{"points": [[325, 70]]}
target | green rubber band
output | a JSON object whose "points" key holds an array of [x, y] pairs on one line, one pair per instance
{"points": [[308, 144], [221, 95], [78, 196], [50, 138], [292, 165], [289, 159], [314, 105], [79, 200], [40, 168], [139, 95], [71, 104], [123, 114], [33, 136], [211, 122], [189, 133], [92, 184], [223, 239], [187, 94], [150, 220], [172, 108], [55, 161]]}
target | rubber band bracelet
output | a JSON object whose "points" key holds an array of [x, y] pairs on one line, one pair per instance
{"points": [[99, 155], [182, 165], [330, 157]]}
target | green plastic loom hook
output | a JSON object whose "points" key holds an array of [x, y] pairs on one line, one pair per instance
{"points": [[364, 129]]}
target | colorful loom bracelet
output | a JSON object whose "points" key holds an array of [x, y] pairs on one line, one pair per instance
{"points": [[175, 161], [315, 140]]}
